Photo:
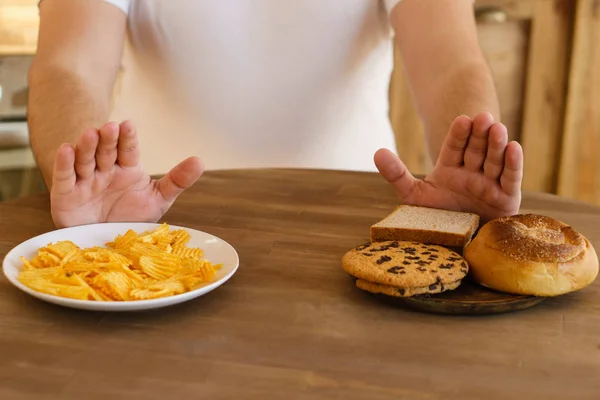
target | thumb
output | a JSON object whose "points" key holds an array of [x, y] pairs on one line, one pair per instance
{"points": [[395, 172], [180, 178]]}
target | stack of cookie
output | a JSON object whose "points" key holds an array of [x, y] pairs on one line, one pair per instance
{"points": [[413, 251]]}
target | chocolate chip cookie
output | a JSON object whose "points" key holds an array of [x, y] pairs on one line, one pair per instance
{"points": [[406, 265], [405, 292]]}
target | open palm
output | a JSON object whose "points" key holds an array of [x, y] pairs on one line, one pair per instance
{"points": [[101, 179], [477, 171]]}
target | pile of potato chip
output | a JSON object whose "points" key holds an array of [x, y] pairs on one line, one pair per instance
{"points": [[144, 266]]}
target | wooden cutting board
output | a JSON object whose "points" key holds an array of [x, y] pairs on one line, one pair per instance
{"points": [[468, 299]]}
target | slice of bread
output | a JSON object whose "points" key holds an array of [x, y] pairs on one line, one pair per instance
{"points": [[427, 225]]}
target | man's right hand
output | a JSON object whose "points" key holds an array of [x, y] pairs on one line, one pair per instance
{"points": [[101, 179]]}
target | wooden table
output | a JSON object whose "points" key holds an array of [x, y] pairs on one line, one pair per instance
{"points": [[290, 324]]}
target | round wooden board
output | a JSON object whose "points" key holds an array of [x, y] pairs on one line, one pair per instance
{"points": [[468, 299]]}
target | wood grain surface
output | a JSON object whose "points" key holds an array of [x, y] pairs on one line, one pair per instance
{"points": [[290, 324]]}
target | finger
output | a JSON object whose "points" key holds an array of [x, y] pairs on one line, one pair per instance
{"points": [[494, 159], [453, 150], [180, 178], [85, 153], [395, 172], [106, 154], [478, 142], [512, 175], [63, 177], [128, 151]]}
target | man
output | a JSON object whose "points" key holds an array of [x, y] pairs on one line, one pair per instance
{"points": [[258, 83]]}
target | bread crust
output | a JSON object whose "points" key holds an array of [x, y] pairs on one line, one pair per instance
{"points": [[531, 254], [449, 239]]}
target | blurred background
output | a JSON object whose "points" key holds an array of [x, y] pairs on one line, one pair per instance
{"points": [[545, 56]]}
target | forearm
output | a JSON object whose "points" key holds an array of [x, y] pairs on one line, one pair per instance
{"points": [[62, 104], [464, 90]]}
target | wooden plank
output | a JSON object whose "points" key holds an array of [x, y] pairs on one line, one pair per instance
{"points": [[545, 92], [580, 165], [505, 46]]}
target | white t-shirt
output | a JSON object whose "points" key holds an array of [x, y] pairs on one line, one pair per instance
{"points": [[258, 83]]}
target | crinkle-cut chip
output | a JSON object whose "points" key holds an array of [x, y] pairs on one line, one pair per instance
{"points": [[124, 241], [36, 262], [116, 285], [207, 273], [158, 289], [139, 249], [188, 252], [68, 257], [95, 256], [156, 263], [27, 264], [163, 242], [103, 296], [193, 265], [120, 258], [180, 237], [204, 272], [93, 293], [193, 281], [158, 269], [150, 236], [66, 278], [61, 248], [39, 273], [48, 259], [57, 289]]}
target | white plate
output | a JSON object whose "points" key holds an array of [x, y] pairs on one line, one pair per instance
{"points": [[215, 249]]}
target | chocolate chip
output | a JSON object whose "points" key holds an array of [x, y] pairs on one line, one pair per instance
{"points": [[433, 286], [363, 246], [433, 249], [402, 272], [421, 262], [368, 254], [426, 252], [406, 262], [422, 269], [384, 259], [413, 258], [453, 258], [395, 270], [462, 264], [446, 266], [401, 291], [394, 244], [433, 257]]}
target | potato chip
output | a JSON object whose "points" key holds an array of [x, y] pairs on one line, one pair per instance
{"points": [[150, 265]]}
